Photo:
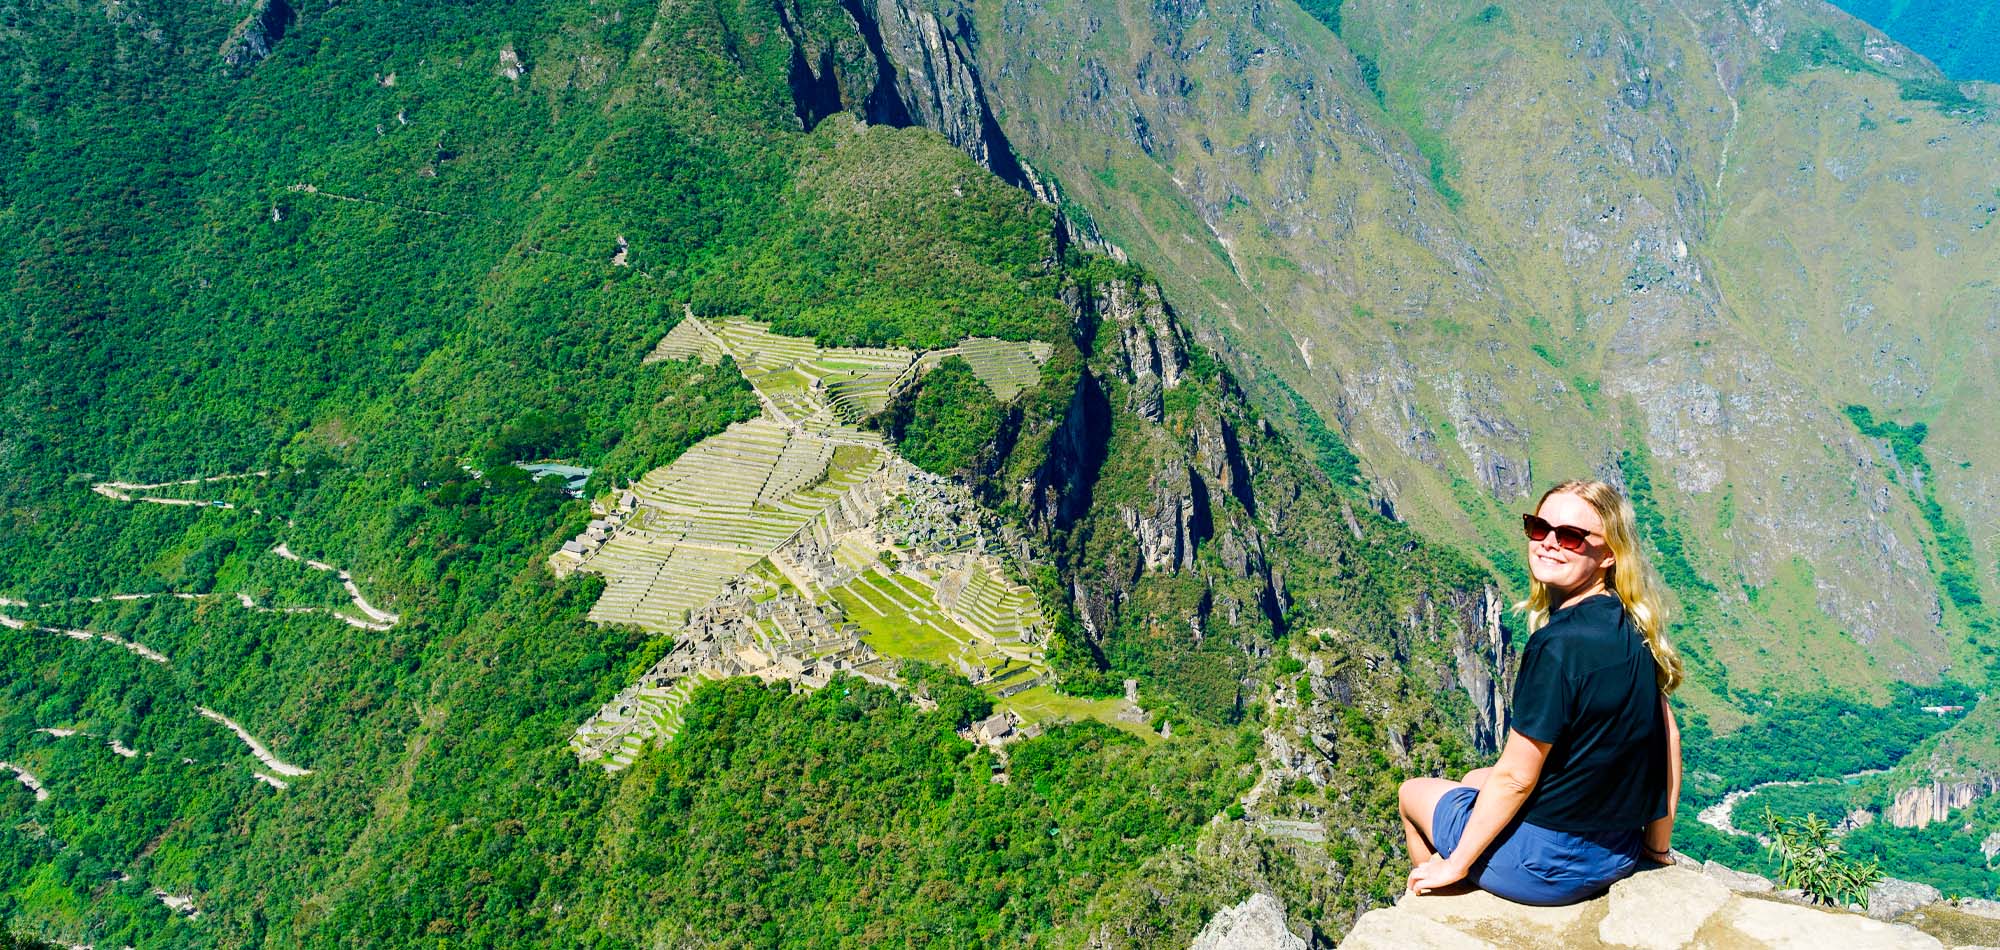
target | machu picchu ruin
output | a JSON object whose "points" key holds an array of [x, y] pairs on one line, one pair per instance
{"points": [[797, 545]]}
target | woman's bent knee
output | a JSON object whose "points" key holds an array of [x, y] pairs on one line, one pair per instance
{"points": [[1417, 792], [1419, 797]]}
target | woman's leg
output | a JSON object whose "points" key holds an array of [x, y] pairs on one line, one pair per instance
{"points": [[1418, 799]]}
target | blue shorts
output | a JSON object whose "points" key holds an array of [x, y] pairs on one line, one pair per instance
{"points": [[1529, 864]]}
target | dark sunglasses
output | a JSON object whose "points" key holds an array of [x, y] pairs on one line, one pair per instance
{"points": [[1568, 537]]}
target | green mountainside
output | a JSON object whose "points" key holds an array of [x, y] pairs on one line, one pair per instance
{"points": [[1188, 361], [1734, 256], [292, 290], [1679, 240]]}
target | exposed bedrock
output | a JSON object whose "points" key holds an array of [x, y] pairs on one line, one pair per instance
{"points": [[258, 34], [1657, 909], [1138, 478], [1935, 801], [1258, 923], [927, 78]]}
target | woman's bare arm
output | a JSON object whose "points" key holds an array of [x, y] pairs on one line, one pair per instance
{"points": [[1660, 832], [1500, 799]]}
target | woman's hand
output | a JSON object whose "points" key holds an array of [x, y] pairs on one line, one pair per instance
{"points": [[1433, 874]]}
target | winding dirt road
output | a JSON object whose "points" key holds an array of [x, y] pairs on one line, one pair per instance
{"points": [[256, 748], [382, 619], [26, 778]]}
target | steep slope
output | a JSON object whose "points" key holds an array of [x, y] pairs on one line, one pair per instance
{"points": [[376, 255], [1495, 243], [1729, 256]]}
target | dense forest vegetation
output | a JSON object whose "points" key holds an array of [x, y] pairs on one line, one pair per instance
{"points": [[413, 245], [947, 419], [378, 265], [1786, 742]]}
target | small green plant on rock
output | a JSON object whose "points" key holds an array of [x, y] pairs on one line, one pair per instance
{"points": [[1812, 860]]}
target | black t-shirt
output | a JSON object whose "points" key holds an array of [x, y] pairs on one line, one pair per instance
{"points": [[1586, 687]]}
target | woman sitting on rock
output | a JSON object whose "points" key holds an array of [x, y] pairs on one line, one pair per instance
{"points": [[1586, 785]]}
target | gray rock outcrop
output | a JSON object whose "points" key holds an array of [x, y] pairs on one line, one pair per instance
{"points": [[1919, 806], [258, 34], [936, 85], [1656, 909], [1737, 880], [1175, 521], [1151, 352], [1258, 923], [1892, 898], [1978, 907], [1479, 651]]}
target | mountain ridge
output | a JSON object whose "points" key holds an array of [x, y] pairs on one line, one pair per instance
{"points": [[1471, 418], [1935, 622], [424, 254], [540, 195]]}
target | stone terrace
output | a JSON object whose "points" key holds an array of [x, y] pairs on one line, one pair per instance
{"points": [[688, 340], [753, 628], [721, 507], [803, 381], [1005, 366], [795, 546], [899, 612], [983, 599], [860, 382]]}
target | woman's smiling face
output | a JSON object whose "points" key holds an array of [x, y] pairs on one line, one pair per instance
{"points": [[1565, 570]]}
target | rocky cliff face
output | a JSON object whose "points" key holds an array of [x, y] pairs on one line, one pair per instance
{"points": [[258, 33], [1935, 801], [1151, 353], [899, 63], [1151, 486], [1952, 771], [1503, 246], [1177, 477], [1479, 635], [935, 82]]}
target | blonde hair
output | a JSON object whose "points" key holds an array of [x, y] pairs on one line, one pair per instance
{"points": [[1630, 576]]}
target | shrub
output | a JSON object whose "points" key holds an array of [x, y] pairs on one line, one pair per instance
{"points": [[1811, 860]]}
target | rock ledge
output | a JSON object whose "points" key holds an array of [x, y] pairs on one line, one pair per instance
{"points": [[1657, 909]]}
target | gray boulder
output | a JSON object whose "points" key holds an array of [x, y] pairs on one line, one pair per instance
{"points": [[1737, 880], [1892, 898]]}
